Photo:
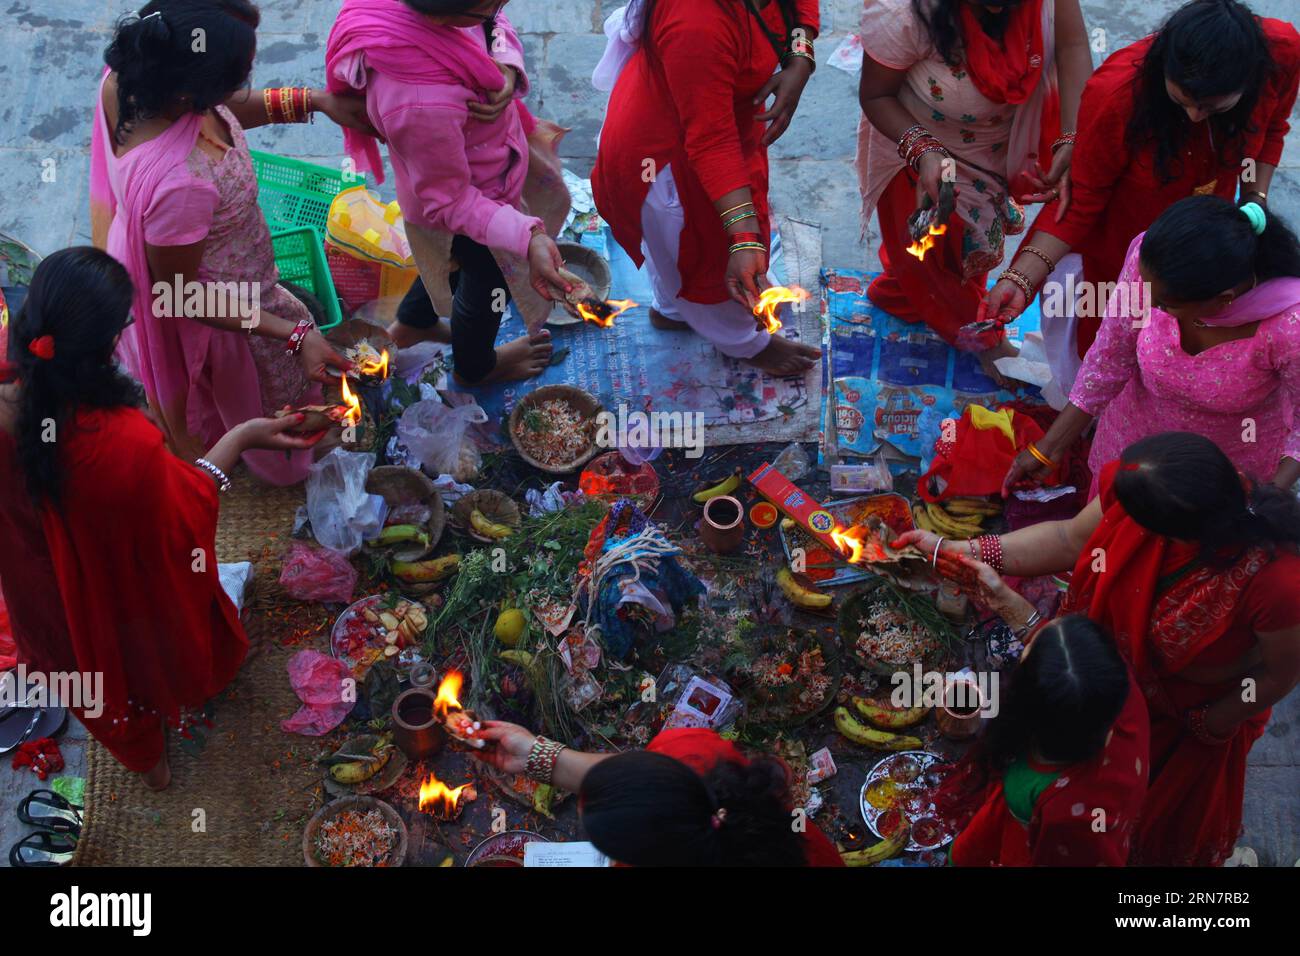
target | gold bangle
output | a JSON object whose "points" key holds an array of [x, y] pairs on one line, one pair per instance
{"points": [[266, 101], [728, 212], [1033, 450], [1034, 251]]}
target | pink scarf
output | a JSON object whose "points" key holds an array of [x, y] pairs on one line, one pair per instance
{"points": [[409, 47], [1262, 302]]}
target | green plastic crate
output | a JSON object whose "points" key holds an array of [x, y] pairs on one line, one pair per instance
{"points": [[293, 193], [300, 257]]}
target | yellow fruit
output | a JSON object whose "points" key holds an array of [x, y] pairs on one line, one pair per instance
{"points": [[884, 850], [888, 718], [523, 658], [423, 572], [724, 487], [359, 771], [869, 736], [799, 595], [945, 524], [487, 528], [510, 627]]}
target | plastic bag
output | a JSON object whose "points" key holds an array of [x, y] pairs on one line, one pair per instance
{"points": [[436, 434], [341, 511], [317, 678], [317, 574]]}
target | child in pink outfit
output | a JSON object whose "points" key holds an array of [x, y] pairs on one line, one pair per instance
{"points": [[443, 91]]}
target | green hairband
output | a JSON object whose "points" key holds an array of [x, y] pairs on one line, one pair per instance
{"points": [[1256, 216]]}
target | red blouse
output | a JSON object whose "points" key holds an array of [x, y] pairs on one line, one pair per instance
{"points": [[702, 750], [1115, 195], [686, 100]]}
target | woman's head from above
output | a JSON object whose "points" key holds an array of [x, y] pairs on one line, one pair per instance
{"points": [[1204, 252], [181, 56], [1065, 694], [459, 13], [1210, 59], [62, 342], [647, 809], [1181, 485]]}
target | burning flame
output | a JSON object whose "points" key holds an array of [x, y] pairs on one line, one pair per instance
{"points": [[926, 242], [436, 796], [369, 368], [851, 541], [772, 299], [605, 319], [353, 414], [448, 698]]}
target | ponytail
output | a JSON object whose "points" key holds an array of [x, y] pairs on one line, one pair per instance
{"points": [[62, 342], [1204, 245]]}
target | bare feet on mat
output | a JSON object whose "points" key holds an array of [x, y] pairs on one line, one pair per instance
{"points": [[784, 357], [525, 357], [404, 336], [160, 776], [661, 321], [1003, 349]]}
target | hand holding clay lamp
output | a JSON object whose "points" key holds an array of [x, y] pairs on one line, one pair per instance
{"points": [[460, 724]]}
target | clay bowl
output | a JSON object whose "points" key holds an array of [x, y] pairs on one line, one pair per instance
{"points": [[400, 486], [589, 266], [585, 402], [363, 804], [496, 507]]}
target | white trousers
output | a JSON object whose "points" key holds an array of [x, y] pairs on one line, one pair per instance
{"points": [[730, 326]]}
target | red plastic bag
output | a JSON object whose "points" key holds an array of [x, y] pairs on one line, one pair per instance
{"points": [[317, 574]]}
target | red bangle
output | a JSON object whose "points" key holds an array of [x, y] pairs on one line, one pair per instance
{"points": [[298, 336], [991, 551]]}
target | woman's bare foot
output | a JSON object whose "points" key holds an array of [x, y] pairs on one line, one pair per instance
{"points": [[404, 336], [661, 321], [784, 357], [1003, 349], [160, 776], [525, 357]]}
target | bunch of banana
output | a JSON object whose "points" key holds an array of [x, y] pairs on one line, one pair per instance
{"points": [[485, 526], [884, 850], [800, 596], [870, 737], [888, 718], [955, 518], [401, 534], [426, 572], [725, 487]]}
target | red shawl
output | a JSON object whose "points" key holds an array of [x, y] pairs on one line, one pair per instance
{"points": [[121, 577], [1006, 71]]}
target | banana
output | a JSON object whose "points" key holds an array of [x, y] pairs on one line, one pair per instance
{"points": [[870, 737], [487, 528], [544, 799], [921, 518], [945, 524], [972, 506], [799, 595], [887, 718], [359, 771], [724, 487], [884, 850], [523, 658], [421, 572], [401, 534]]}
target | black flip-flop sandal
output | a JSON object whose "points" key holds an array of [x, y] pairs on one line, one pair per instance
{"points": [[45, 808], [43, 848]]}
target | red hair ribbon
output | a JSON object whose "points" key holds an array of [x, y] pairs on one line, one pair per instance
{"points": [[42, 347]]}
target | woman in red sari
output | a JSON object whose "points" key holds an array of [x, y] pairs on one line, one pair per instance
{"points": [[1194, 570], [1199, 107], [971, 92], [1061, 776], [691, 798], [107, 541], [681, 175]]}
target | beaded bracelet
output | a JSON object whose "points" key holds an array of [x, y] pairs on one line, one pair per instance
{"points": [[1067, 139], [540, 765], [298, 336], [1035, 251], [1021, 280], [991, 550], [223, 482]]}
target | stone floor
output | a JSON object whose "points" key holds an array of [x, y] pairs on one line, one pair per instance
{"points": [[53, 56]]}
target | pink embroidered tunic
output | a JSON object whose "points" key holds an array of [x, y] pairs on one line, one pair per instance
{"points": [[1240, 394]]}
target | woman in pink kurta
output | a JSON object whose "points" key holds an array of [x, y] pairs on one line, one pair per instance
{"points": [[174, 199], [1202, 334]]}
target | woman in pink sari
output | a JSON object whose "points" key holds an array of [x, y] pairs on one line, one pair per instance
{"points": [[1202, 334], [216, 339]]}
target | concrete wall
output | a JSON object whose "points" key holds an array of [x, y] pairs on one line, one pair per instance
{"points": [[54, 52]]}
